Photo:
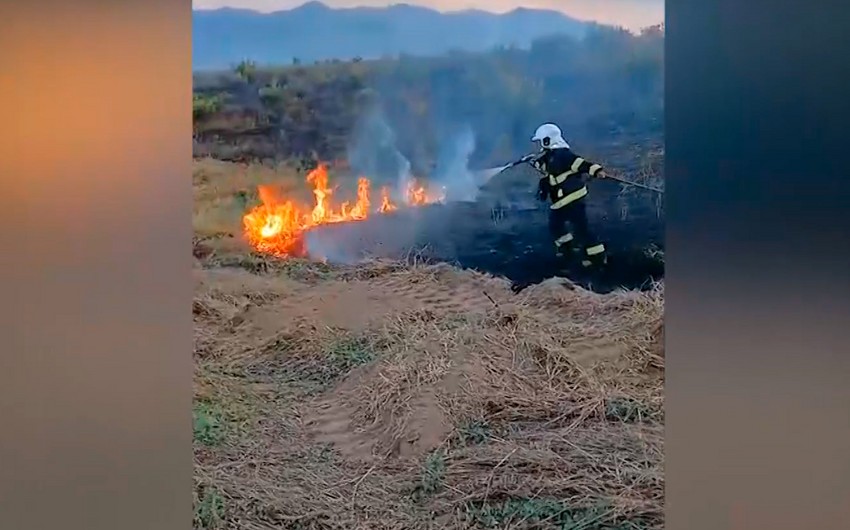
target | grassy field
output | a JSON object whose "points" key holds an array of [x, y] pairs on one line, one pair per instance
{"points": [[410, 396]]}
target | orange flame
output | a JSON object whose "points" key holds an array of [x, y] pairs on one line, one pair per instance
{"points": [[386, 204], [419, 195], [276, 226]]}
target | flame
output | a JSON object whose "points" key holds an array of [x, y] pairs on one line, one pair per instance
{"points": [[386, 203], [276, 226], [419, 195], [415, 194]]}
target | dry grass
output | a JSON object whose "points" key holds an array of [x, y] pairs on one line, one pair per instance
{"points": [[650, 173], [529, 437], [222, 191], [542, 410]]}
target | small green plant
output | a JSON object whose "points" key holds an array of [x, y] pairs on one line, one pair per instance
{"points": [[305, 270], [315, 373], [242, 198], [209, 512], [554, 513], [246, 70], [204, 105], [349, 353], [272, 94], [627, 410], [207, 425], [324, 453], [474, 432], [433, 473]]}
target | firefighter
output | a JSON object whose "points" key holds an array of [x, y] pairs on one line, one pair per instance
{"points": [[564, 184]]}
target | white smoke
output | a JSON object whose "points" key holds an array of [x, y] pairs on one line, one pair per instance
{"points": [[324, 246], [404, 178], [452, 169], [373, 153]]}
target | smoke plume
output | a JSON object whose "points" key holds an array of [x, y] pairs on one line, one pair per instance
{"points": [[452, 169], [373, 152]]}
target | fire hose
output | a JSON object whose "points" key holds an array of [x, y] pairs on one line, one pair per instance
{"points": [[528, 158], [635, 184]]}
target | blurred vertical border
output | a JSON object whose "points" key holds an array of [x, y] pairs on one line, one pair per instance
{"points": [[757, 265], [95, 154]]}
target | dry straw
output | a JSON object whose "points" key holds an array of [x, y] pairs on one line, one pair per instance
{"points": [[480, 409]]}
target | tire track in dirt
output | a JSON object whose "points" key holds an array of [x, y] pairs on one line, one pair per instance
{"points": [[438, 297]]}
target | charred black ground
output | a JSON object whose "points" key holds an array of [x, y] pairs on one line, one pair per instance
{"points": [[504, 241]]}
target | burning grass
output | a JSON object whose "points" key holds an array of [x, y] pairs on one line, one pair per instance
{"points": [[397, 396], [277, 225], [268, 209]]}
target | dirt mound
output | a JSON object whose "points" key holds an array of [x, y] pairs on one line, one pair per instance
{"points": [[456, 348], [393, 410], [391, 396]]}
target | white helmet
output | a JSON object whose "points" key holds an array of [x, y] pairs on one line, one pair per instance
{"points": [[549, 136]]}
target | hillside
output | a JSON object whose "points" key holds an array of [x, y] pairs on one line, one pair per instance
{"points": [[223, 37], [606, 90]]}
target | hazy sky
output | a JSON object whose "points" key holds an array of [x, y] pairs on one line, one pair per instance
{"points": [[633, 14]]}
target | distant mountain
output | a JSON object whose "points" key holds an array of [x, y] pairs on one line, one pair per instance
{"points": [[223, 37]]}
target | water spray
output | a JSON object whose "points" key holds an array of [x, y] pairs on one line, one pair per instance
{"points": [[488, 174]]}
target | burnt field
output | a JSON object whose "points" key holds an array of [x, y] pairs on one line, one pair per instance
{"points": [[506, 237]]}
